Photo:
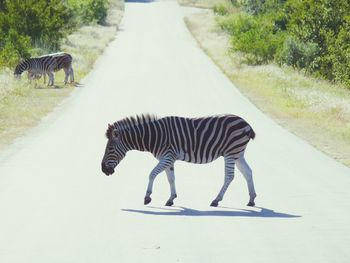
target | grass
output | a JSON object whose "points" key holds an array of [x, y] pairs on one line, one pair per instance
{"points": [[202, 3], [315, 110], [23, 104]]}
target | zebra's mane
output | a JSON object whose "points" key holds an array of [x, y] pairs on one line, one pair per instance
{"points": [[129, 122]]}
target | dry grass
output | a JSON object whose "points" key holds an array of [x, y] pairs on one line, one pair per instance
{"points": [[23, 104], [313, 109], [202, 3]]}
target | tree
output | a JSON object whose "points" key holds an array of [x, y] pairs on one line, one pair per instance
{"points": [[44, 21]]}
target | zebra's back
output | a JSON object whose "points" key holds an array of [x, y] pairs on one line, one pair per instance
{"points": [[56, 61], [202, 140]]}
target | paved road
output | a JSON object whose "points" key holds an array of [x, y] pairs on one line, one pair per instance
{"points": [[56, 206]]}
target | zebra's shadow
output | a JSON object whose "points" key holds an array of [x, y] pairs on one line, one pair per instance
{"points": [[45, 86], [60, 86], [217, 212]]}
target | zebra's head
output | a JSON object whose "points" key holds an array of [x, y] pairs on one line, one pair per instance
{"points": [[115, 150], [22, 66]]}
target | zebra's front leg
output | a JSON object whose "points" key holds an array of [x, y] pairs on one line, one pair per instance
{"points": [[66, 73], [171, 179], [229, 174], [164, 163], [71, 74]]}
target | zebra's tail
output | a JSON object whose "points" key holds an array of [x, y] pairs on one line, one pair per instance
{"points": [[252, 134]]}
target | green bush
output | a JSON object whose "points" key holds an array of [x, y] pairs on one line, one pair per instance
{"points": [[235, 24], [325, 23], [318, 34], [35, 27], [341, 58], [254, 38], [252, 7], [298, 54], [90, 11], [221, 9], [13, 47], [44, 21]]}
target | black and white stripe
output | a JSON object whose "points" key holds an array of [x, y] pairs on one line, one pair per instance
{"points": [[195, 140], [47, 64]]}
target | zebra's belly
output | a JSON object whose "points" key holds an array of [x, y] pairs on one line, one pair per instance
{"points": [[193, 157]]}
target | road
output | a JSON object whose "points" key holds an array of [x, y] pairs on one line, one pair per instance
{"points": [[57, 206]]}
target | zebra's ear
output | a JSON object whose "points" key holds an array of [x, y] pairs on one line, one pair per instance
{"points": [[115, 134], [109, 132]]}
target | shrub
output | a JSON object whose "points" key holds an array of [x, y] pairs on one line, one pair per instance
{"points": [[236, 23], [341, 51], [35, 27], [326, 23], [254, 38], [298, 54], [43, 21], [252, 7], [318, 30], [90, 11], [13, 47], [221, 9]]}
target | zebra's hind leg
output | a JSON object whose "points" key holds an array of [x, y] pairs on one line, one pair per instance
{"points": [[171, 178], [229, 174], [248, 175]]}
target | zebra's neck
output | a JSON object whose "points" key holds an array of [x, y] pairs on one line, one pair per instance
{"points": [[21, 67], [133, 138]]}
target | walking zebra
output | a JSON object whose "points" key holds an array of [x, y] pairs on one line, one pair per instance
{"points": [[196, 140], [47, 64]]}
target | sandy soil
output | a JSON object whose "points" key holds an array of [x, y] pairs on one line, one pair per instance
{"points": [[56, 206]]}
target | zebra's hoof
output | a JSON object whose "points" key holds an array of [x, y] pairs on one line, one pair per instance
{"points": [[147, 200], [251, 203], [169, 203], [215, 203]]}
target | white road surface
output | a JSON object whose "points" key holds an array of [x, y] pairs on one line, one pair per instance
{"points": [[57, 206]]}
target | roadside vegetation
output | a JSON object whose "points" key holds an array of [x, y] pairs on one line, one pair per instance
{"points": [[282, 66], [202, 3], [32, 28]]}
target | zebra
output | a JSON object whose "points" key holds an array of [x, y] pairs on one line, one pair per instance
{"points": [[47, 64], [194, 140]]}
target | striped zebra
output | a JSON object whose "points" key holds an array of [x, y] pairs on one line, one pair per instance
{"points": [[194, 140], [47, 64]]}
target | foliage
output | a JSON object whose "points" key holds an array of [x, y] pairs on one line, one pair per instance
{"points": [[252, 7], [44, 22], [299, 54], [254, 37], [225, 7], [89, 11], [13, 47], [325, 23], [34, 27], [221, 9], [308, 34]]}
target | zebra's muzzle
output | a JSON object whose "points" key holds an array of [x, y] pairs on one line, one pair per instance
{"points": [[107, 170]]}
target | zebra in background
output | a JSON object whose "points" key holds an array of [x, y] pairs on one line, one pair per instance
{"points": [[194, 140], [47, 64]]}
